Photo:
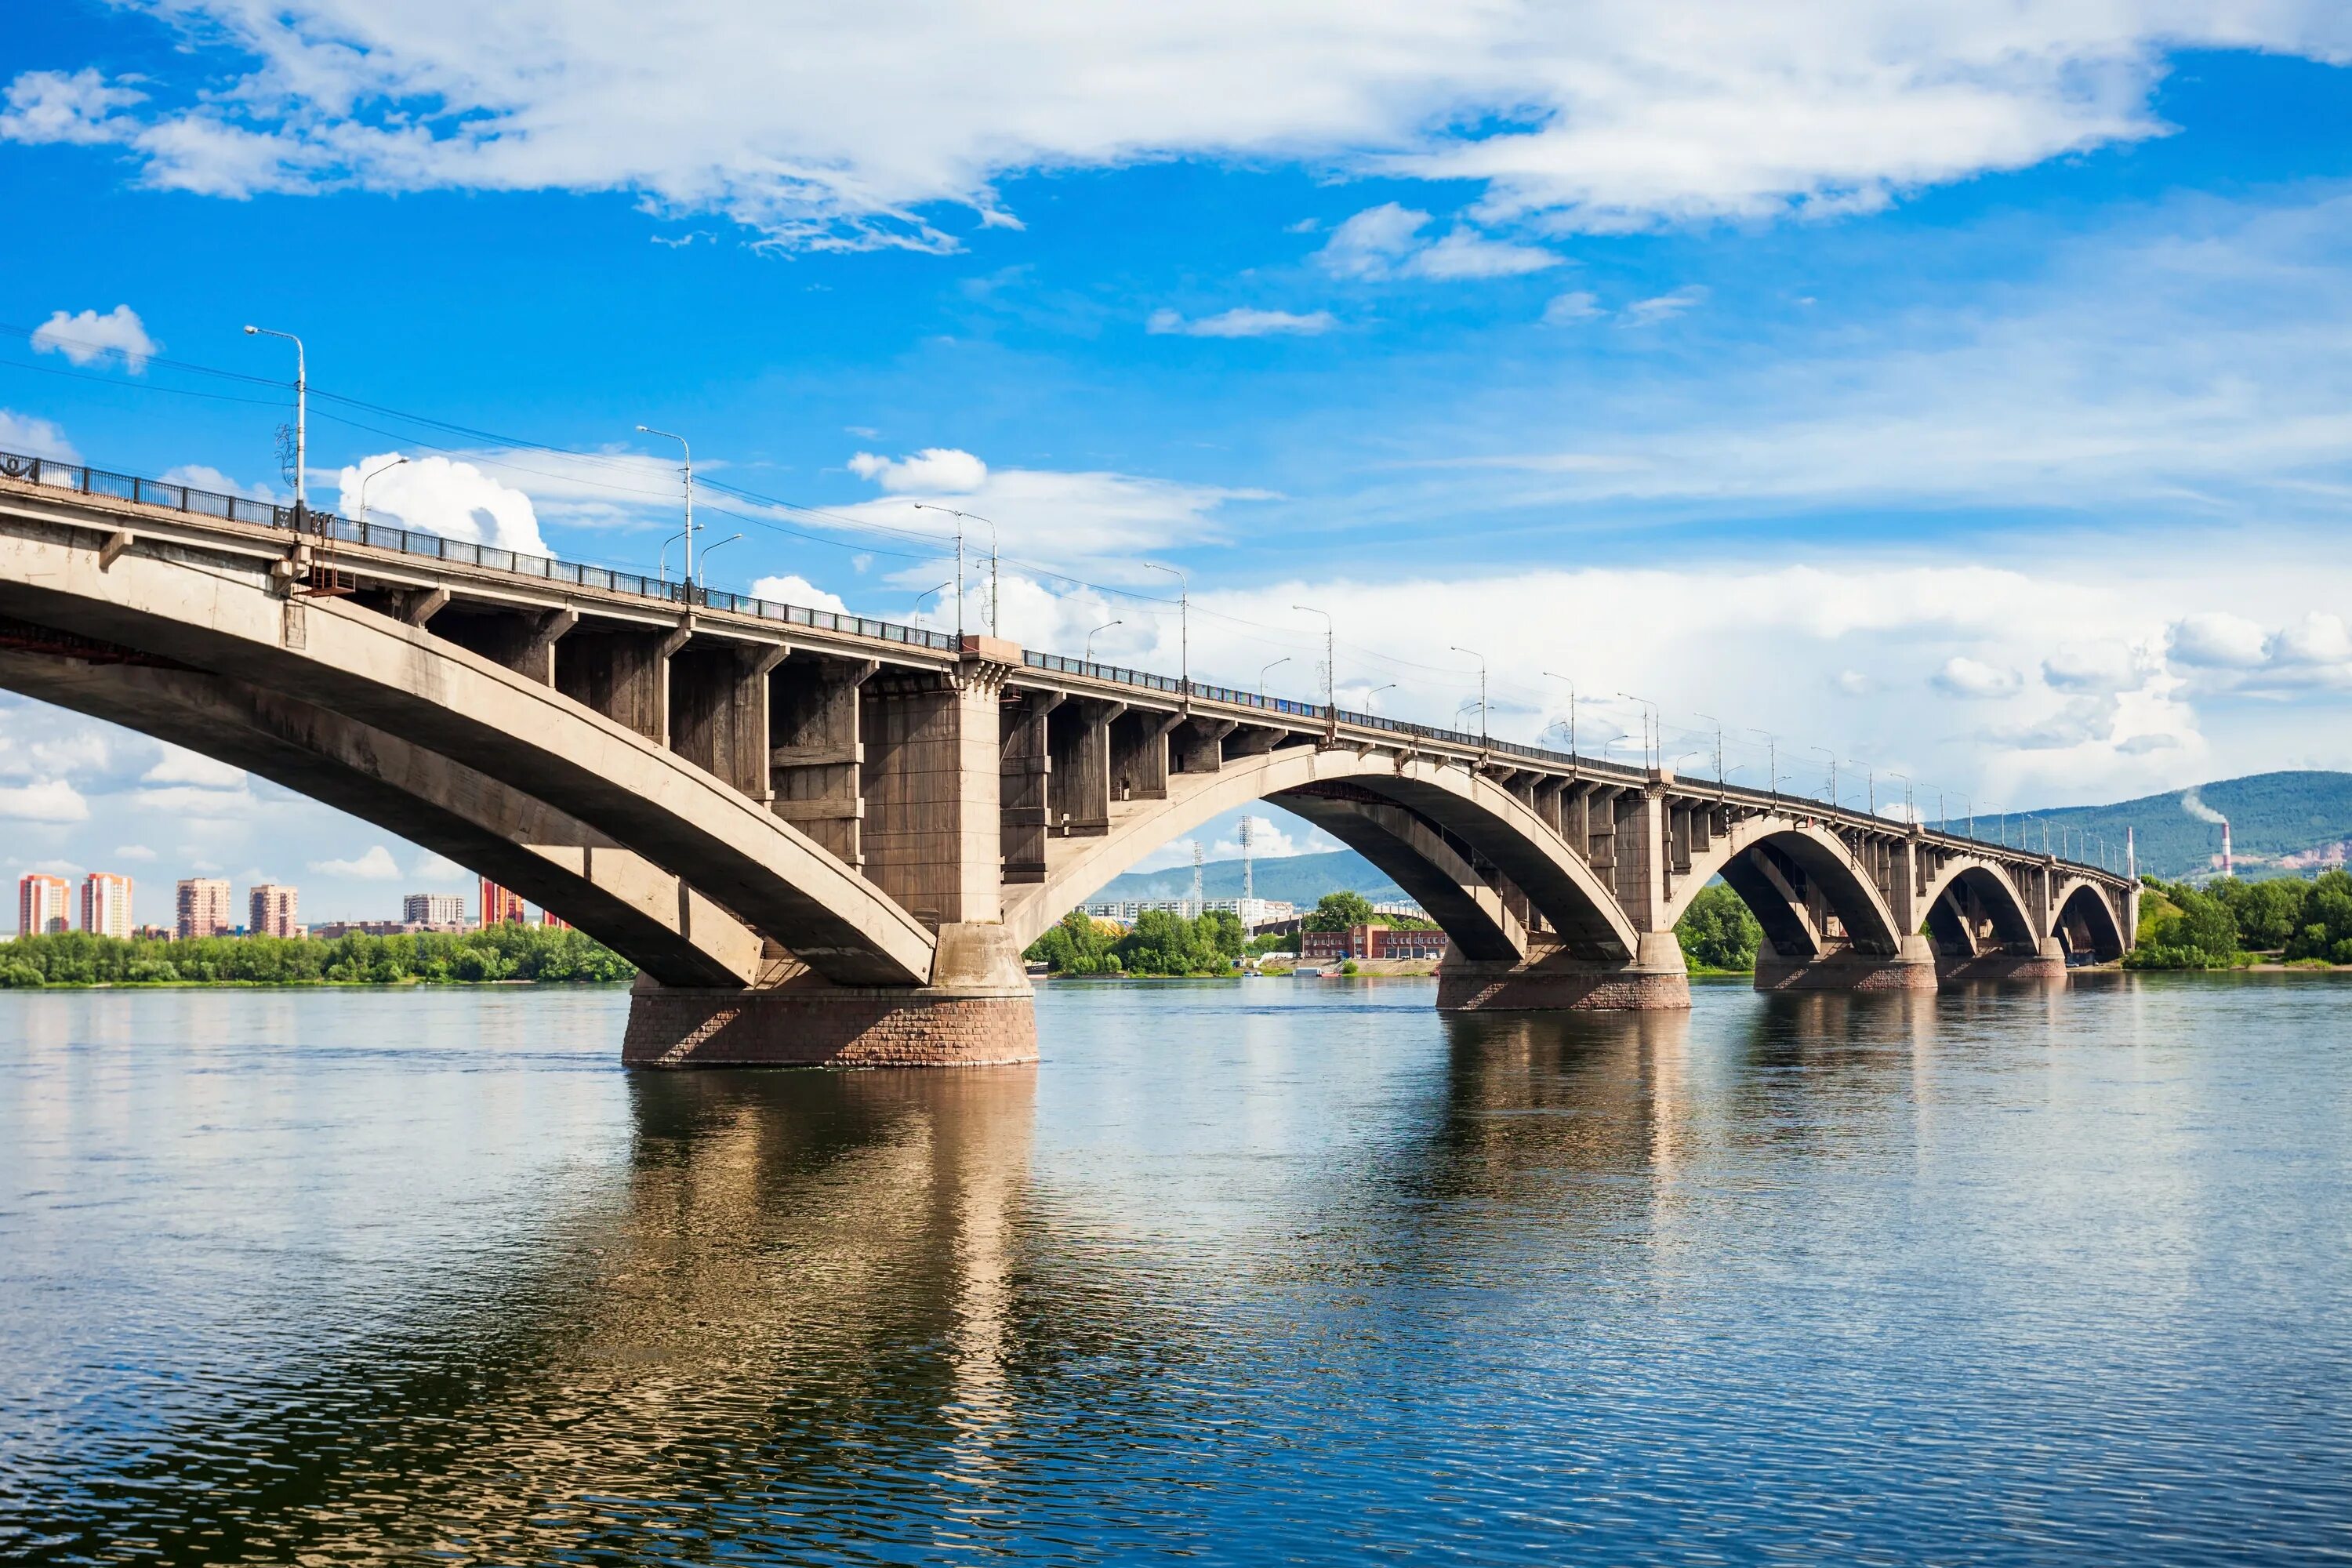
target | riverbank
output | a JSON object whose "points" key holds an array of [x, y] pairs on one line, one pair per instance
{"points": [[545, 954]]}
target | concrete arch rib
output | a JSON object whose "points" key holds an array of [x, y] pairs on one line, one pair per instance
{"points": [[640, 912], [2084, 912], [1473, 915], [1493, 821], [1992, 891], [1824, 859], [218, 614]]}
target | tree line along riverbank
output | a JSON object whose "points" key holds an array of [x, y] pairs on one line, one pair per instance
{"points": [[2234, 924], [546, 954]]}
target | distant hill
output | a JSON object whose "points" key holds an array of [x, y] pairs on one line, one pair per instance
{"points": [[2289, 824], [1295, 879]]}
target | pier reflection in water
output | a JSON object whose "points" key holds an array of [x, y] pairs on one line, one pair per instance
{"points": [[1252, 1272]]}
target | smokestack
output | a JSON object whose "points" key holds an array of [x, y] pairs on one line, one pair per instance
{"points": [[2226, 869], [2131, 855]]}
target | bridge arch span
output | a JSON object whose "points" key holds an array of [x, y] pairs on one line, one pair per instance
{"points": [[1791, 872], [226, 619], [1972, 903], [1497, 826], [2086, 921]]}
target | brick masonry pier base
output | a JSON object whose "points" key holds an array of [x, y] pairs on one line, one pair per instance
{"points": [[982, 1013], [1656, 980], [2022, 968]]}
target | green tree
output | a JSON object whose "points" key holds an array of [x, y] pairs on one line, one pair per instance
{"points": [[1717, 932], [1338, 912]]}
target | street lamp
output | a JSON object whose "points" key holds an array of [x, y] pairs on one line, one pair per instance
{"points": [[1832, 757], [1909, 815], [1719, 744], [975, 517], [301, 417], [664, 567], [1330, 668], [1375, 691], [1183, 628], [1771, 758], [1482, 689], [669, 435], [1090, 638], [1650, 726], [1555, 675], [927, 593], [372, 473], [707, 555], [1277, 664]]}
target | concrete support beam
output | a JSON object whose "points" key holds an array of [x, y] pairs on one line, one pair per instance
{"points": [[1079, 791], [1138, 755], [621, 672], [1639, 872], [1025, 773], [933, 833], [1199, 744], [718, 712], [418, 605], [816, 757]]}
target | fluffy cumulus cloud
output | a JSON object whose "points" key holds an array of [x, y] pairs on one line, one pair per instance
{"points": [[87, 337], [2230, 652], [935, 471], [31, 436], [1241, 323], [1965, 676], [445, 496], [858, 126], [47, 800], [376, 866], [793, 589]]}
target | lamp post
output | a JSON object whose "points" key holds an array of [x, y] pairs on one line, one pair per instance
{"points": [[1555, 675], [927, 593], [1183, 628], [301, 417], [1261, 673], [1331, 670], [669, 435], [1482, 691], [1719, 744], [664, 566], [1771, 758], [1832, 757], [1909, 814], [372, 473], [975, 517], [1090, 638], [1375, 691], [722, 545], [1649, 726]]}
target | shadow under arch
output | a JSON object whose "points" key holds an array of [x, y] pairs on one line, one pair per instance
{"points": [[1971, 906], [2085, 922]]}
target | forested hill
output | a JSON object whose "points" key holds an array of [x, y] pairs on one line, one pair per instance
{"points": [[1298, 878], [2280, 824]]}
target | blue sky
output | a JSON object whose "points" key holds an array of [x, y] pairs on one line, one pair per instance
{"points": [[1962, 393]]}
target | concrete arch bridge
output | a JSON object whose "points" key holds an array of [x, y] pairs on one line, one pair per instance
{"points": [[824, 838]]}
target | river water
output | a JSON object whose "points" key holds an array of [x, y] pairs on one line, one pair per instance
{"points": [[1258, 1272]]}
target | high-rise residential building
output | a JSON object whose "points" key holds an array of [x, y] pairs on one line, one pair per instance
{"points": [[551, 919], [106, 904], [498, 905], [202, 906], [432, 909], [41, 904], [270, 911]]}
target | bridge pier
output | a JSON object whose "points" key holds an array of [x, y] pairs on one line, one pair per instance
{"points": [[1911, 967], [2048, 964], [1552, 980], [979, 1011]]}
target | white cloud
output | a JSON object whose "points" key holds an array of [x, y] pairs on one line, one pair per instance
{"points": [[35, 437], [52, 106], [855, 126], [793, 589], [1385, 241], [1241, 323], [934, 471], [1965, 676], [440, 495], [1066, 517], [1664, 306], [182, 766], [197, 804], [205, 476], [47, 800], [2216, 639], [87, 337], [440, 868], [134, 852], [2098, 666], [376, 866], [1567, 309]]}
